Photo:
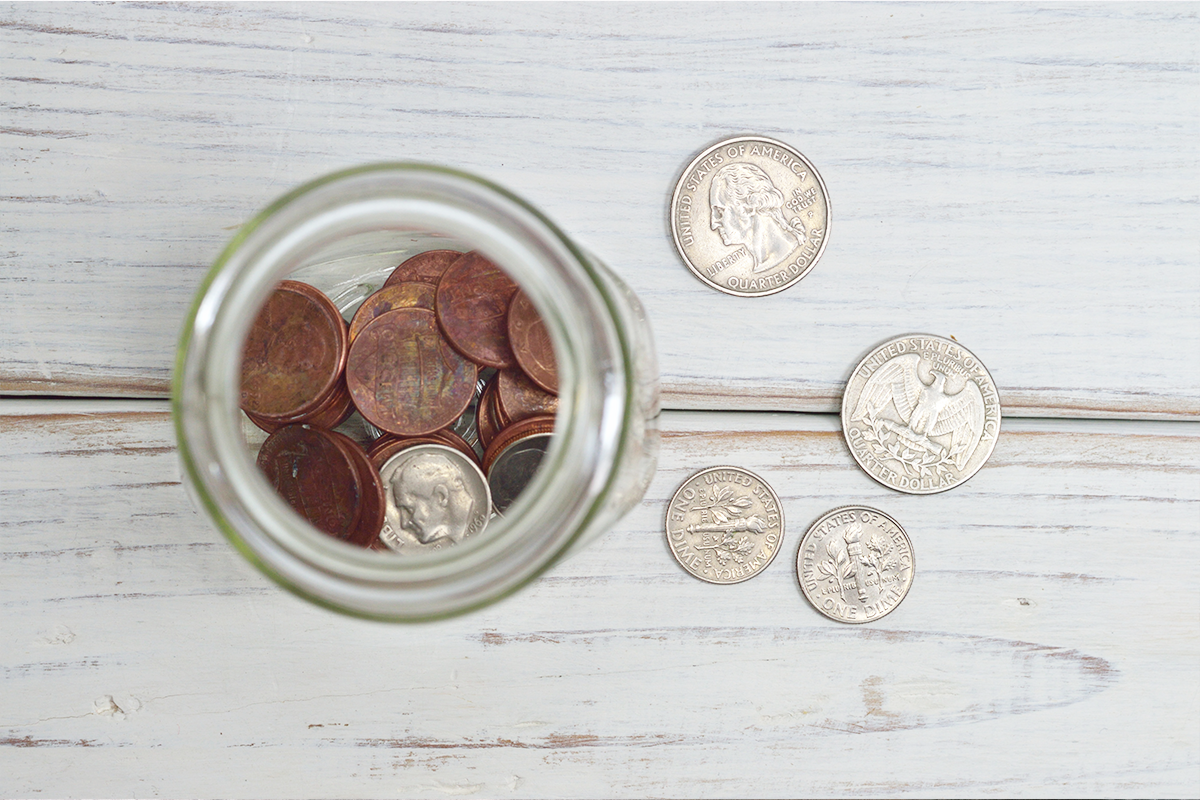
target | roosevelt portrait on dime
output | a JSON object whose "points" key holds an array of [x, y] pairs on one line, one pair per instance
{"points": [[432, 499], [747, 209]]}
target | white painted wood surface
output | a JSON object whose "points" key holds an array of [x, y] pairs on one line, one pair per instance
{"points": [[1021, 177], [1049, 644]]}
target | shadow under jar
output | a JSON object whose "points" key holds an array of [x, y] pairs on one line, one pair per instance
{"points": [[345, 234]]}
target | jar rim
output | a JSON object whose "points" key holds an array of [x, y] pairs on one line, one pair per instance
{"points": [[593, 352]]}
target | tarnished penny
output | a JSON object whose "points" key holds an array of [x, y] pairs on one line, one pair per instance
{"points": [[514, 467], [855, 564], [404, 377], [724, 525], [520, 398], [374, 500], [750, 216], [409, 294], [437, 497], [311, 471], [426, 267], [514, 432], [487, 417], [531, 343], [921, 414], [388, 445], [472, 308], [294, 354], [333, 411]]}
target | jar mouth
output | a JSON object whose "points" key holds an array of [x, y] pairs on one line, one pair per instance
{"points": [[407, 204]]}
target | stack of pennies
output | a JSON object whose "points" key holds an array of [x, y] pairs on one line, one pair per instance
{"points": [[453, 373]]}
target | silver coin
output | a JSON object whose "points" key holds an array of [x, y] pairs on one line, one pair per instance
{"points": [[921, 414], [855, 564], [515, 467], [724, 525], [436, 497], [750, 216]]}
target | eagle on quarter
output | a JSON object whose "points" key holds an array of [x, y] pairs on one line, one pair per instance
{"points": [[926, 409]]}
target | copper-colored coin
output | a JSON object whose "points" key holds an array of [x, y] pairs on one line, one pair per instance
{"points": [[409, 294], [487, 421], [472, 309], [374, 497], [531, 343], [383, 450], [333, 411], [424, 267], [519, 398], [294, 354], [458, 443], [404, 377], [513, 433], [311, 471]]}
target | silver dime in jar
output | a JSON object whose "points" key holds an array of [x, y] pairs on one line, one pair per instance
{"points": [[436, 497], [724, 525], [920, 414], [750, 216], [855, 564]]}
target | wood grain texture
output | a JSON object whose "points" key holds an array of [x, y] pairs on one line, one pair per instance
{"points": [[1049, 645], [1021, 177]]}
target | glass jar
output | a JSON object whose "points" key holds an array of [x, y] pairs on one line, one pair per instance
{"points": [[343, 234]]}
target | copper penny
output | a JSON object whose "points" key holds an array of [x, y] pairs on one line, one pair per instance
{"points": [[520, 398], [487, 419], [424, 267], [310, 470], [374, 497], [444, 436], [404, 377], [472, 309], [382, 451], [531, 343], [294, 354], [333, 411], [513, 433], [409, 294]]}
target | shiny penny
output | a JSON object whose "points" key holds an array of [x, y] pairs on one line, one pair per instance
{"points": [[437, 497], [426, 267], [724, 525], [409, 294], [404, 377], [531, 343], [920, 414], [472, 307], [750, 216], [294, 353], [855, 564], [312, 472]]}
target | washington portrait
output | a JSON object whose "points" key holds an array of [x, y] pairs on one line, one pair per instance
{"points": [[747, 209]]}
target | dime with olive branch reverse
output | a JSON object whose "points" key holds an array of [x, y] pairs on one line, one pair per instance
{"points": [[855, 564], [921, 414], [750, 216], [724, 525]]}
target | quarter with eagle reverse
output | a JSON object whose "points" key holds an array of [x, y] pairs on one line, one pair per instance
{"points": [[920, 414]]}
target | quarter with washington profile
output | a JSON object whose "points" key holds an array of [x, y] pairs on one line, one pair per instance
{"points": [[750, 216], [921, 414]]}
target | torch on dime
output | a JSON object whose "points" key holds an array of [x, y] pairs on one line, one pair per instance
{"points": [[724, 525], [855, 564]]}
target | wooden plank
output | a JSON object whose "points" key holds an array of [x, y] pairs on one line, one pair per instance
{"points": [[1049, 644], [1020, 177]]}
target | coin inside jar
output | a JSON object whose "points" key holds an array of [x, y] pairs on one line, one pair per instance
{"points": [[437, 497], [472, 309], [404, 377], [426, 267], [519, 398], [531, 343], [513, 468], [408, 294], [374, 500], [855, 564], [316, 476], [294, 354]]}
